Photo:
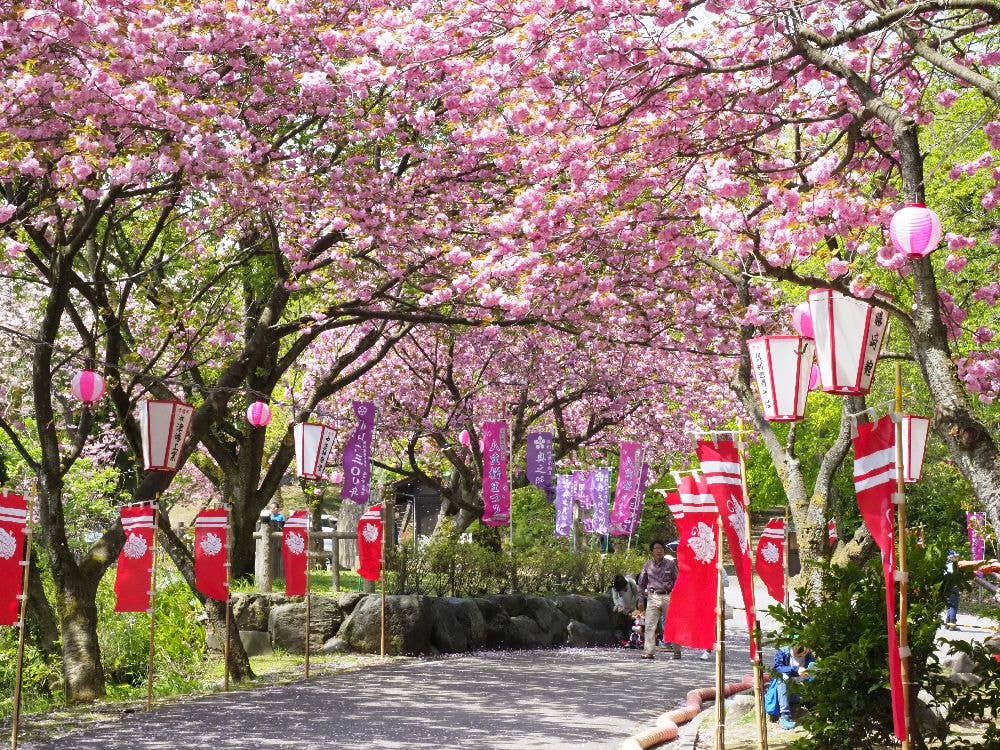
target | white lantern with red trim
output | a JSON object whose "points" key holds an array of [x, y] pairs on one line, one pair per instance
{"points": [[164, 426], [915, 430], [87, 386], [259, 414], [781, 366], [915, 230], [849, 334], [313, 445]]}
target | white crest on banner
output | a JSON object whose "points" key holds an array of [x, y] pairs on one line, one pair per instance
{"points": [[370, 532], [738, 518], [211, 545], [135, 546], [295, 543], [769, 552], [8, 545], [703, 542]]}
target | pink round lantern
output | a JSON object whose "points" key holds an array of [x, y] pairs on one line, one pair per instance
{"points": [[802, 320], [259, 414], [465, 439], [915, 230], [88, 386], [814, 377]]}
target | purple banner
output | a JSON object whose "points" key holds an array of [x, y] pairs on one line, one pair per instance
{"points": [[635, 508], [976, 524], [600, 490], [564, 505], [496, 484], [358, 455], [540, 464], [579, 489], [629, 468]]}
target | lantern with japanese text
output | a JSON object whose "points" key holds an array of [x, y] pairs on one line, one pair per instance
{"points": [[915, 230], [87, 386], [164, 426], [313, 444], [849, 334], [259, 414], [781, 367], [915, 431]]}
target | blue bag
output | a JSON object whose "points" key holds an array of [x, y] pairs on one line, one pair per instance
{"points": [[771, 698]]}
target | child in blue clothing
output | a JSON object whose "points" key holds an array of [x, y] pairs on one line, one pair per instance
{"points": [[792, 665]]}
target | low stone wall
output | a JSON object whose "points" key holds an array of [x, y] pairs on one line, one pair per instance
{"points": [[422, 624]]}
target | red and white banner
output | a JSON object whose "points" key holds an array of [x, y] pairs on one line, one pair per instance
{"points": [[691, 613], [135, 562], [294, 540], [675, 505], [13, 520], [720, 463], [211, 553], [831, 532], [770, 558], [370, 544], [874, 485]]}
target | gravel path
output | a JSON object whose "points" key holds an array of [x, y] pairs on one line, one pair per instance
{"points": [[565, 698]]}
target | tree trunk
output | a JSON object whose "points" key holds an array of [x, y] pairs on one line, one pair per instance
{"points": [[83, 673], [41, 619]]}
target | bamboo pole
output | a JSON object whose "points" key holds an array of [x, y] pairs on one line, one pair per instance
{"points": [[152, 612], [788, 597], [381, 579], [308, 593], [229, 600], [758, 669], [720, 653], [18, 678], [904, 598]]}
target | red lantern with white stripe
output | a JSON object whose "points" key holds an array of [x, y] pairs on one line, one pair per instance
{"points": [[164, 426], [313, 444], [915, 431], [87, 386], [259, 414], [915, 230], [781, 367], [849, 334]]}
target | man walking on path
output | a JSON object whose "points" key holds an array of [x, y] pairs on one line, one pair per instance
{"points": [[655, 584]]}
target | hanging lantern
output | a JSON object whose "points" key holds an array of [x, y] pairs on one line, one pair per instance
{"points": [[164, 426], [813, 377], [87, 386], [259, 414], [336, 476], [915, 230], [313, 444], [915, 431], [849, 335], [465, 438], [781, 366], [802, 320]]}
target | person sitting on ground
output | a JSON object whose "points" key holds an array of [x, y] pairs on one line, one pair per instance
{"points": [[655, 584], [792, 665], [624, 603]]}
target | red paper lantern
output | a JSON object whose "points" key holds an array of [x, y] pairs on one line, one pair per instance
{"points": [[915, 230], [313, 444], [915, 430], [87, 386], [259, 414], [164, 426], [849, 334], [781, 367]]}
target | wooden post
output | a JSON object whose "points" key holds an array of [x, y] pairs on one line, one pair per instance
{"points": [[308, 596], [720, 652], [788, 593], [758, 669], [18, 677], [263, 563], [152, 612], [335, 562], [381, 578], [229, 601], [904, 597]]}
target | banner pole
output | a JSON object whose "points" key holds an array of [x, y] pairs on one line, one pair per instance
{"points": [[152, 612], [381, 580], [16, 719], [784, 561], [308, 592], [720, 657], [904, 597], [229, 600], [758, 670]]}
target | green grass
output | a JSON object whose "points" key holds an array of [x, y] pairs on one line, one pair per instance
{"points": [[320, 582]]}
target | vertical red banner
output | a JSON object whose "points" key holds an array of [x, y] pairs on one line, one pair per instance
{"points": [[370, 544], [13, 520], [211, 553], [133, 578], [294, 540]]}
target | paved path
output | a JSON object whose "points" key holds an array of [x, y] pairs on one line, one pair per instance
{"points": [[565, 698]]}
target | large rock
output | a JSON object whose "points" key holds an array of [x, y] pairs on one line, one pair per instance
{"points": [[593, 612], [409, 623], [580, 634], [496, 622], [524, 632], [511, 604], [251, 611], [255, 642], [471, 619], [550, 620], [448, 635], [347, 601], [286, 624]]}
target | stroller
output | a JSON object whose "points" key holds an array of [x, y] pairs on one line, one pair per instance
{"points": [[635, 637]]}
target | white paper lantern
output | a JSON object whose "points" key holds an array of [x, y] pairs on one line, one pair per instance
{"points": [[849, 335], [915, 431], [781, 366], [164, 426], [313, 444]]}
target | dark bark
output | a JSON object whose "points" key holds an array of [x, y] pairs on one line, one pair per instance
{"points": [[43, 628]]}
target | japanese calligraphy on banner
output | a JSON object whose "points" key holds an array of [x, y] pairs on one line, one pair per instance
{"points": [[540, 462], [496, 481], [976, 524], [600, 485], [358, 455], [635, 506], [564, 505], [629, 471], [580, 489]]}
